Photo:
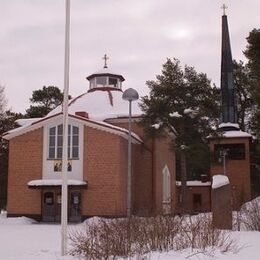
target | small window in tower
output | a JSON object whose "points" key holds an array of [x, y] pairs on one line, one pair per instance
{"points": [[230, 151], [112, 82], [101, 81]]}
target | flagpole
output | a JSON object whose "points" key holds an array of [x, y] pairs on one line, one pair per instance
{"points": [[64, 192]]}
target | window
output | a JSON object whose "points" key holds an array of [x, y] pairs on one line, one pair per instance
{"points": [[232, 151], [56, 140], [197, 202], [166, 185], [112, 82], [101, 81]]}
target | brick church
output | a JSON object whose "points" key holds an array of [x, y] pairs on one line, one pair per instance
{"points": [[97, 152], [97, 165]]}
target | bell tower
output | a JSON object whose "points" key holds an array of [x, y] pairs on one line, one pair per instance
{"points": [[230, 150]]}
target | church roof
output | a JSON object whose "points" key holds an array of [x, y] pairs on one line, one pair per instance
{"points": [[87, 122], [105, 71], [101, 104]]}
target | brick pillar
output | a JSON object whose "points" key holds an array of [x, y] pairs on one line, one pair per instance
{"points": [[221, 202]]}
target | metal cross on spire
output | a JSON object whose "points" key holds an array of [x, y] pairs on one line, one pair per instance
{"points": [[105, 58], [224, 7]]}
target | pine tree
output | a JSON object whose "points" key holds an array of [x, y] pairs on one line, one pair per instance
{"points": [[244, 87], [183, 101], [252, 53], [46, 99]]}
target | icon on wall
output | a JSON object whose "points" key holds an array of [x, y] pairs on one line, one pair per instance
{"points": [[57, 166]]}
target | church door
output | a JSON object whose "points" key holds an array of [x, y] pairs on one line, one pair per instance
{"points": [[48, 210], [51, 206], [74, 207]]}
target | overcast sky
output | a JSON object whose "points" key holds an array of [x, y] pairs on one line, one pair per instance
{"points": [[137, 35]]}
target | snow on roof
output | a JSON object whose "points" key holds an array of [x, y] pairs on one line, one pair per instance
{"points": [[100, 125], [230, 134], [195, 183], [228, 124], [26, 121], [106, 71], [101, 105], [219, 181], [54, 182]]}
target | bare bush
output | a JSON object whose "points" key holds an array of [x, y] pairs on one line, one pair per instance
{"points": [[250, 215], [108, 239]]}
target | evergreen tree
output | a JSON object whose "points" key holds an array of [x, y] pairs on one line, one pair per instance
{"points": [[244, 86], [252, 53], [46, 99], [183, 100]]}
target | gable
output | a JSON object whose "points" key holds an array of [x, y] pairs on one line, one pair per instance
{"points": [[101, 126]]}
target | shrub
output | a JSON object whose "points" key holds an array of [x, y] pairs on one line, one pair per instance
{"points": [[250, 215], [108, 239]]}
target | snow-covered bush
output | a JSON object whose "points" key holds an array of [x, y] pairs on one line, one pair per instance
{"points": [[105, 239], [250, 215]]}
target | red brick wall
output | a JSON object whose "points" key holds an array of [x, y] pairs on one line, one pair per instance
{"points": [[142, 180], [104, 169], [205, 192], [25, 164], [158, 154], [238, 171], [163, 155]]}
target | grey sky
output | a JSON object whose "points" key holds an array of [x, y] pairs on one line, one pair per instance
{"points": [[137, 35]]}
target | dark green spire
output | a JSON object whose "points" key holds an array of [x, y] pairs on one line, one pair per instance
{"points": [[228, 91]]}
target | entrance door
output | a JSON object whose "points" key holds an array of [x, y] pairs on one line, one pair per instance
{"points": [[48, 207], [51, 209], [74, 208]]}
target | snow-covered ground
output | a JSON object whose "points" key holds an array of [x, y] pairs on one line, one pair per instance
{"points": [[24, 239]]}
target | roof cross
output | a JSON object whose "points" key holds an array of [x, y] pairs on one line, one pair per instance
{"points": [[105, 58], [224, 7]]}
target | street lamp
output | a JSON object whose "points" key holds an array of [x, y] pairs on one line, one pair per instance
{"points": [[223, 154], [64, 187], [130, 95]]}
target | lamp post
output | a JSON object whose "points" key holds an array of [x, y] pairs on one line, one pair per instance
{"points": [[130, 95], [64, 188], [224, 154]]}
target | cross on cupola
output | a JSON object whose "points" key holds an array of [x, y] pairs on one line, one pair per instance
{"points": [[224, 7], [105, 58]]}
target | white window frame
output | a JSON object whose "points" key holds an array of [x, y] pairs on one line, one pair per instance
{"points": [[166, 185], [71, 143]]}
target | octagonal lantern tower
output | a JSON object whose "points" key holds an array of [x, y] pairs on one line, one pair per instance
{"points": [[105, 78]]}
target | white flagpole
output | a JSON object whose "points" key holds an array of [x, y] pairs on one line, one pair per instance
{"points": [[64, 192]]}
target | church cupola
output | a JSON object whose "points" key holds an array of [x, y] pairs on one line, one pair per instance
{"points": [[105, 79]]}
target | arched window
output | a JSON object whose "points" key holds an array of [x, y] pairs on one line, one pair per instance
{"points": [[55, 137], [166, 185]]}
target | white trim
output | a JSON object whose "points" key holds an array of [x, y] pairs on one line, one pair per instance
{"points": [[91, 123], [52, 182]]}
